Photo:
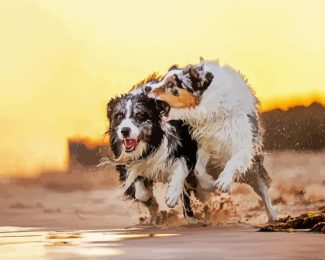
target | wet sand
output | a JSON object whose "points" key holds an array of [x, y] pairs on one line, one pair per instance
{"points": [[92, 215], [224, 242]]}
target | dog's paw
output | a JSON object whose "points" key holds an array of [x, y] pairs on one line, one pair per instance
{"points": [[192, 220], [142, 195], [153, 220], [172, 199], [223, 183]]}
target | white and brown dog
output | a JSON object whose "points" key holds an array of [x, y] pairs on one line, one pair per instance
{"points": [[223, 116]]}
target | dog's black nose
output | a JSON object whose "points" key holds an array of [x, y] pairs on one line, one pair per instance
{"points": [[147, 88], [125, 131]]}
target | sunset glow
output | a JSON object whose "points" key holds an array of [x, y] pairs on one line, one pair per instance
{"points": [[61, 61]]}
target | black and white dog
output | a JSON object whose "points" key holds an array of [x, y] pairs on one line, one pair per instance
{"points": [[148, 150]]}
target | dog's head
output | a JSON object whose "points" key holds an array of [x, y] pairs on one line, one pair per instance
{"points": [[182, 87], [135, 125], [146, 85]]}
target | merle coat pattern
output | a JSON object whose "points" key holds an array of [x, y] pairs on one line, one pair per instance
{"points": [[151, 138]]}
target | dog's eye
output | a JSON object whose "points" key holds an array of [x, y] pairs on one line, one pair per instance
{"points": [[119, 116], [174, 91], [139, 116], [170, 84]]}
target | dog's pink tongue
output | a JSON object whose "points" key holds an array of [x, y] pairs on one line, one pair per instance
{"points": [[130, 143]]}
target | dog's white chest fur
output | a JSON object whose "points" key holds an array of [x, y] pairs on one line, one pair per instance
{"points": [[155, 167], [160, 168]]}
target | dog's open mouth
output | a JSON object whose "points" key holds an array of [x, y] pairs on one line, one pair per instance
{"points": [[130, 144]]}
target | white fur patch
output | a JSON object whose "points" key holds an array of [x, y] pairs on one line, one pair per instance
{"points": [[224, 181], [179, 173], [141, 193], [155, 167], [136, 91], [127, 122]]}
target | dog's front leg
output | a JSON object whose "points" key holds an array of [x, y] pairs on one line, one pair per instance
{"points": [[178, 174], [141, 192], [238, 164], [205, 180], [225, 178], [144, 193]]}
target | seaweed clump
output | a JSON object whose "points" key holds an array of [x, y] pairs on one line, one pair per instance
{"points": [[312, 221]]}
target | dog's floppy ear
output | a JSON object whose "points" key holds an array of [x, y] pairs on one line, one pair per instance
{"points": [[200, 79], [161, 106], [110, 107], [194, 74]]}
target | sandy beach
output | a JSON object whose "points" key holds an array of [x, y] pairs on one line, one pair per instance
{"points": [[225, 242], [244, 78], [85, 215]]}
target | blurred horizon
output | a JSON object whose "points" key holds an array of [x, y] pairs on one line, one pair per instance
{"points": [[61, 61]]}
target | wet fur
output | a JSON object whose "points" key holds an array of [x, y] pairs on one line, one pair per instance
{"points": [[165, 146], [225, 123]]}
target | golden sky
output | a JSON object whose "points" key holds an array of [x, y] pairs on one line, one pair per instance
{"points": [[62, 60]]}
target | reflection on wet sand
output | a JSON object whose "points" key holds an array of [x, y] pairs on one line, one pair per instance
{"points": [[186, 242], [37, 243]]}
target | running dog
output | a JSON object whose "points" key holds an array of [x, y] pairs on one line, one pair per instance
{"points": [[150, 150], [223, 116]]}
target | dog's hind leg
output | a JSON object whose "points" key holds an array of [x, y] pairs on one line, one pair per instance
{"points": [[264, 194], [258, 178]]}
